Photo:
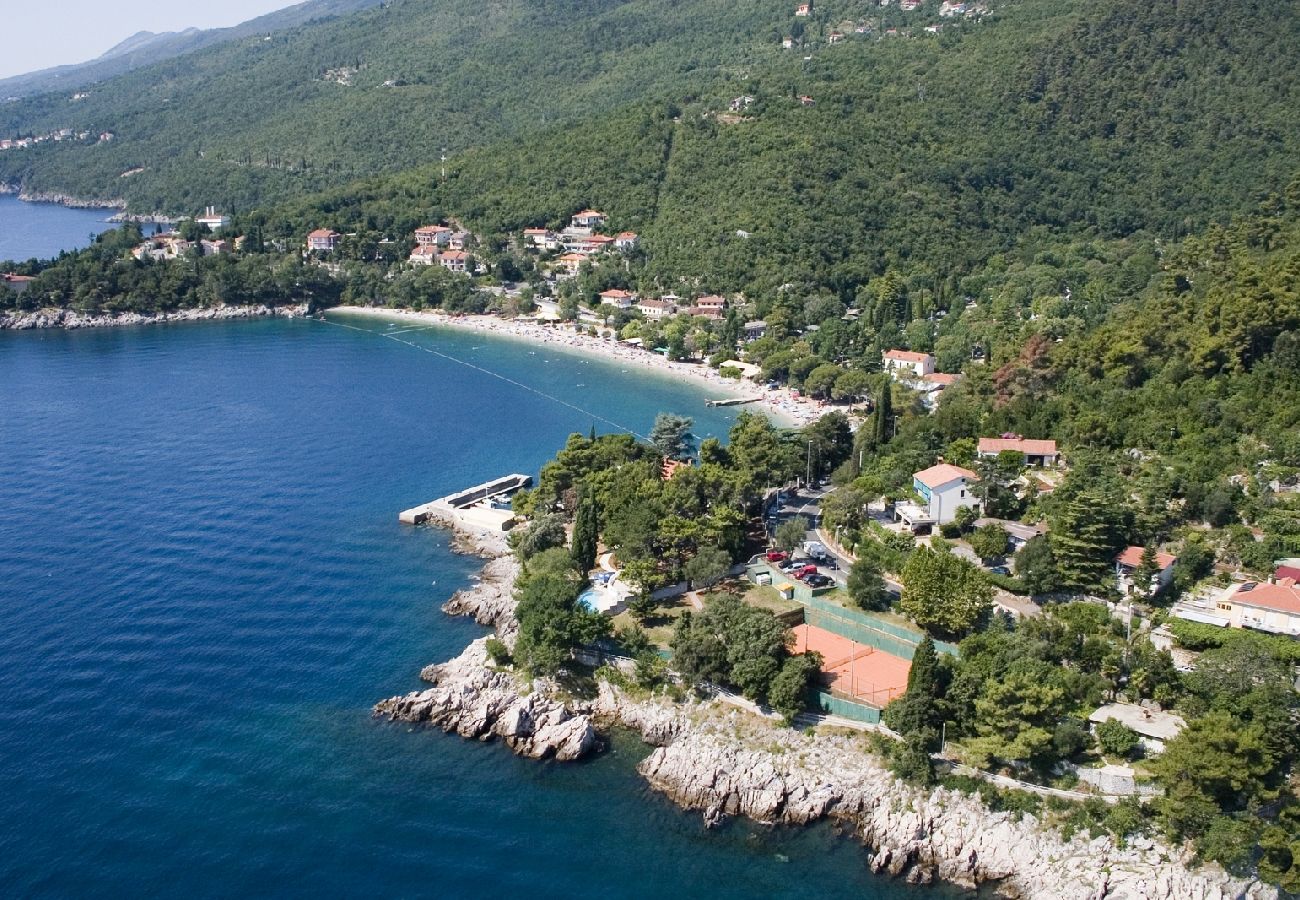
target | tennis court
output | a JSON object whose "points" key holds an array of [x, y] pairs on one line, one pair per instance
{"points": [[853, 670]]}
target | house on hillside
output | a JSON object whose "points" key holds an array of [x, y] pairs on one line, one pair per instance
{"points": [[907, 363], [433, 235], [16, 283], [1272, 606], [943, 490], [787, 43], [618, 298], [710, 306], [1153, 726], [655, 309], [805, 100], [458, 240], [834, 37], [424, 255], [803, 9], [754, 330], [213, 220], [739, 104], [453, 260], [567, 266], [626, 240], [323, 240], [589, 218], [1128, 562], [1036, 452], [540, 239]]}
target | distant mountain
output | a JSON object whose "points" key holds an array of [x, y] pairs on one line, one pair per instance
{"points": [[145, 47]]}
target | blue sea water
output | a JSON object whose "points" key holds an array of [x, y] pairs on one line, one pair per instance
{"points": [[42, 230], [204, 588]]}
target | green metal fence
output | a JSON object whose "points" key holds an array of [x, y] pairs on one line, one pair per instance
{"points": [[858, 712]]}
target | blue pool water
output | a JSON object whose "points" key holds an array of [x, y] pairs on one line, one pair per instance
{"points": [[205, 588]]}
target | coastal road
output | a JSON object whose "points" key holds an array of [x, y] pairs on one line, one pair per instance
{"points": [[807, 502]]}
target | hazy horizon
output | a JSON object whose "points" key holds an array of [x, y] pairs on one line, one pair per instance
{"points": [[42, 36]]}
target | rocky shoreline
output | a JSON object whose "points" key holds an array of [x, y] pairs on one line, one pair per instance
{"points": [[68, 319], [722, 762], [61, 198]]}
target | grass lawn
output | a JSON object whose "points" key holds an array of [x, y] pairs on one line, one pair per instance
{"points": [[764, 596], [659, 624]]}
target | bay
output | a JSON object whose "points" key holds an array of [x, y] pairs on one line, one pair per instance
{"points": [[43, 230], [205, 588]]}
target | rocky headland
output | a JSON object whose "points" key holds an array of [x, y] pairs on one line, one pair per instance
{"points": [[68, 319], [724, 762]]}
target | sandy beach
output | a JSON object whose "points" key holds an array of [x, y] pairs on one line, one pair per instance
{"points": [[778, 405]]}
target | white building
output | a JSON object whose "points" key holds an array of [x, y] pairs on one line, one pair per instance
{"points": [[1128, 562], [619, 299], [907, 363], [1272, 606], [1036, 453], [943, 489], [656, 309], [212, 219]]}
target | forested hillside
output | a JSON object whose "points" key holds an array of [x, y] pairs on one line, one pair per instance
{"points": [[379, 91], [145, 48]]}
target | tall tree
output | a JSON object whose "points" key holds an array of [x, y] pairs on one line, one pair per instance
{"points": [[671, 435], [884, 413], [586, 531], [944, 592]]}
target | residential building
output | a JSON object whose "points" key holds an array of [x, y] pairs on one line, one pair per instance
{"points": [[755, 330], [453, 260], [212, 219], [655, 309], [834, 37], [1272, 606], [1287, 570], [214, 248], [567, 265], [1037, 453], [589, 218], [323, 239], [162, 247], [943, 489], [626, 240], [805, 100], [710, 307], [458, 240], [437, 235], [540, 238], [907, 363], [424, 255], [16, 283], [787, 43], [1131, 558], [619, 298], [803, 9], [741, 103]]}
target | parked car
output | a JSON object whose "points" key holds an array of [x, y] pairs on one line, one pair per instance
{"points": [[804, 571], [775, 556], [817, 580], [999, 570], [786, 565]]}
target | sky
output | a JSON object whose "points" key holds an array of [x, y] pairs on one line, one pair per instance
{"points": [[38, 35]]}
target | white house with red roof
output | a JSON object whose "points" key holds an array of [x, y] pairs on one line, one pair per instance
{"points": [[1272, 606], [1128, 561], [710, 306], [16, 283], [540, 238], [655, 309], [437, 235], [424, 255], [907, 363], [943, 490], [619, 298], [567, 265], [626, 240], [453, 260], [589, 218], [1036, 452], [323, 239]]}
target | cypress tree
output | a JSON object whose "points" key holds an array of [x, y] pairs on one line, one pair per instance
{"points": [[586, 532], [914, 712], [884, 412]]}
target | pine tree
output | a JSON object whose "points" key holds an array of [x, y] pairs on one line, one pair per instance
{"points": [[914, 712], [1084, 538], [586, 532]]}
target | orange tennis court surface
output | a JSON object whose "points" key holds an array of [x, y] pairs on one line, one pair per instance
{"points": [[854, 670]]}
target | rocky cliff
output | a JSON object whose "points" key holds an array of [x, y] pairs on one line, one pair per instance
{"points": [[66, 318], [724, 762]]}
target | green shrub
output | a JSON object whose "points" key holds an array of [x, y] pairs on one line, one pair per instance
{"points": [[498, 652], [1115, 738]]}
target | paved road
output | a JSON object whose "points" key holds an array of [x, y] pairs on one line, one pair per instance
{"points": [[807, 502]]}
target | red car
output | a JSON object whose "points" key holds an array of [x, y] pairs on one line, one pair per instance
{"points": [[775, 555], [804, 570]]}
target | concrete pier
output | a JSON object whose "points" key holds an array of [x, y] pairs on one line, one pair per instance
{"points": [[482, 506]]}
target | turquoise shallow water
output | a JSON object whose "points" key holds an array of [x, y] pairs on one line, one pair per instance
{"points": [[205, 588]]}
